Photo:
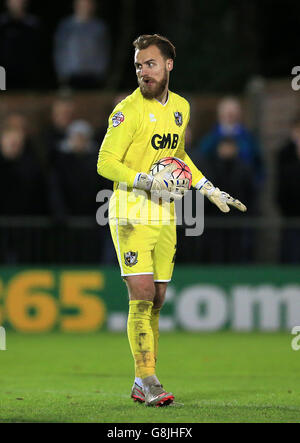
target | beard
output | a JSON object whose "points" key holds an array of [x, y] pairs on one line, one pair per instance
{"points": [[156, 90]]}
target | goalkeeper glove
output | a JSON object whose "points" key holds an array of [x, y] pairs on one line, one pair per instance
{"points": [[219, 198], [162, 184]]}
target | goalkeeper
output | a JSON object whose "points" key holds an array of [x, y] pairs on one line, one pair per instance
{"points": [[147, 126]]}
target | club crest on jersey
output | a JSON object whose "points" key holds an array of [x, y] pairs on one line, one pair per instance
{"points": [[130, 258], [178, 118], [117, 119]]}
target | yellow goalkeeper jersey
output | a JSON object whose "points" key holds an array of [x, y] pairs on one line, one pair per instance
{"points": [[139, 133]]}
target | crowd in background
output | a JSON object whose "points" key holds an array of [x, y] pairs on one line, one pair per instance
{"points": [[81, 47], [54, 174], [232, 159]]}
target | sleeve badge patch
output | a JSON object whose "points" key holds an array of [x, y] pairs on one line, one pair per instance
{"points": [[178, 118], [117, 119]]}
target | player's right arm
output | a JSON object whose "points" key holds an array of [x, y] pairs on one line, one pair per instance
{"points": [[123, 124]]}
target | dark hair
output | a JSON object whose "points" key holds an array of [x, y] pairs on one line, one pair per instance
{"points": [[165, 46]]}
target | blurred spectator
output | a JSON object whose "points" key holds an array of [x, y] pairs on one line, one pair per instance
{"points": [[76, 181], [20, 47], [230, 125], [82, 46], [18, 121], [62, 115], [288, 185], [229, 172], [74, 184], [288, 152], [22, 185]]}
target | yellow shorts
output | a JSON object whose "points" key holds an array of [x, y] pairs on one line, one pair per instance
{"points": [[145, 249]]}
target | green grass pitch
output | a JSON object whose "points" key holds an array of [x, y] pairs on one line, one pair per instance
{"points": [[218, 377]]}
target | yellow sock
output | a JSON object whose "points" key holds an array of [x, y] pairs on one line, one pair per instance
{"points": [[141, 338], [155, 329]]}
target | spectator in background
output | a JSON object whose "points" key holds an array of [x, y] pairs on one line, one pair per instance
{"points": [[18, 121], [62, 115], [76, 180], [74, 186], [22, 193], [82, 46], [20, 46], [230, 125], [287, 194], [288, 151], [232, 244], [22, 184]]}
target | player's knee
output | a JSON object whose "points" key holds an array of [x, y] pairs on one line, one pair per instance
{"points": [[141, 289], [142, 293], [146, 294], [146, 291]]}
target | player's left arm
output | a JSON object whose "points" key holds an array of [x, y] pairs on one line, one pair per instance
{"points": [[200, 182]]}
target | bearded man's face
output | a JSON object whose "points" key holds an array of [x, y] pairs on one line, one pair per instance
{"points": [[151, 70]]}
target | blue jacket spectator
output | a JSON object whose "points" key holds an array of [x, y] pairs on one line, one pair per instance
{"points": [[82, 47], [229, 125]]}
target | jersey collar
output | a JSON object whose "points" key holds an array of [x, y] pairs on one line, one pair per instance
{"points": [[166, 101]]}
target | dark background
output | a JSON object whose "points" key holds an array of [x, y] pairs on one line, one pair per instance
{"points": [[220, 43]]}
